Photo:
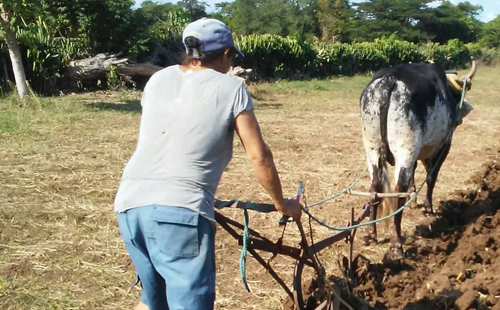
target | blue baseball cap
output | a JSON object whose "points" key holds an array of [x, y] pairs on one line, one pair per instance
{"points": [[213, 34]]}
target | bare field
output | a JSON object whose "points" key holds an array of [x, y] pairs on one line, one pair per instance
{"points": [[61, 162]]}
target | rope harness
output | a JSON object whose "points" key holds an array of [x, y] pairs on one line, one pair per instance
{"points": [[462, 98]]}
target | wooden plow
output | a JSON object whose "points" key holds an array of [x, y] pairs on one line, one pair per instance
{"points": [[305, 255]]}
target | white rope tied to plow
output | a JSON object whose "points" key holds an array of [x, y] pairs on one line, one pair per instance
{"points": [[345, 190], [323, 222]]}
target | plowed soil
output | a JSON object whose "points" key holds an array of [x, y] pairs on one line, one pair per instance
{"points": [[452, 263]]}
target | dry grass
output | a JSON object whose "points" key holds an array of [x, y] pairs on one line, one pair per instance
{"points": [[61, 164]]}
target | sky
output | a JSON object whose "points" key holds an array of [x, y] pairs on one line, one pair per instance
{"points": [[491, 8]]}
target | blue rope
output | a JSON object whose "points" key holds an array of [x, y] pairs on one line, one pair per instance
{"points": [[244, 248], [243, 257]]}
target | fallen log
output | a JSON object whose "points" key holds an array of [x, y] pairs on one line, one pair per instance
{"points": [[145, 69], [97, 67]]}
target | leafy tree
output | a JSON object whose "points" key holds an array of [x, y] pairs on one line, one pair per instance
{"points": [[239, 15], [223, 12], [161, 21], [159, 27], [448, 21], [69, 14], [333, 17], [378, 18], [195, 8], [282, 17], [105, 26], [43, 36], [491, 33], [46, 53], [10, 13], [470, 10]]}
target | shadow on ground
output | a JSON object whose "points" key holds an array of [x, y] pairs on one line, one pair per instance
{"points": [[127, 106], [135, 106], [267, 106]]}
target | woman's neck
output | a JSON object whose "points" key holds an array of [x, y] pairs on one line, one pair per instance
{"points": [[193, 67]]}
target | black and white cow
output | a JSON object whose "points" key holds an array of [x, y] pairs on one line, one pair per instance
{"points": [[409, 112]]}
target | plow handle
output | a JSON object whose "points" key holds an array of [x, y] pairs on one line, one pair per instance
{"points": [[284, 219]]}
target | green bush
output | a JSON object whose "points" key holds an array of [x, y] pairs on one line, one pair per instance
{"points": [[335, 59], [272, 56], [453, 55], [275, 56], [396, 51]]}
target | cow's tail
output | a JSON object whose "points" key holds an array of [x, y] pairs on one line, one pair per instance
{"points": [[385, 203], [386, 155]]}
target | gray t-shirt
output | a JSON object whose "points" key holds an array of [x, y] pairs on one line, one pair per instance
{"points": [[185, 140]]}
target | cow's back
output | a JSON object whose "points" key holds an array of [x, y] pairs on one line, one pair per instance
{"points": [[414, 105], [425, 83]]}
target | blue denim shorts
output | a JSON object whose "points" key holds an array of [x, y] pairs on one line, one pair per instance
{"points": [[172, 249]]}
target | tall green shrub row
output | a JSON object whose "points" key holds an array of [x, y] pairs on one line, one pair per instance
{"points": [[272, 56]]}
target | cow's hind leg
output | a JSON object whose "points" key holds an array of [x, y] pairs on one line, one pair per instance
{"points": [[405, 176], [412, 188], [376, 185], [432, 166]]}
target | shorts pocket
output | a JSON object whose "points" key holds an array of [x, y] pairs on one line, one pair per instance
{"points": [[176, 231]]}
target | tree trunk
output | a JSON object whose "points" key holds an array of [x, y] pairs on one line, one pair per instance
{"points": [[96, 67], [14, 52]]}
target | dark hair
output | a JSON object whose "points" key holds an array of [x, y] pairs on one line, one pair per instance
{"points": [[194, 47]]}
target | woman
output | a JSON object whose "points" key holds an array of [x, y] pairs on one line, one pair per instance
{"points": [[166, 196]]}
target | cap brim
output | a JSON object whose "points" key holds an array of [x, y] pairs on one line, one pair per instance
{"points": [[239, 52]]}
